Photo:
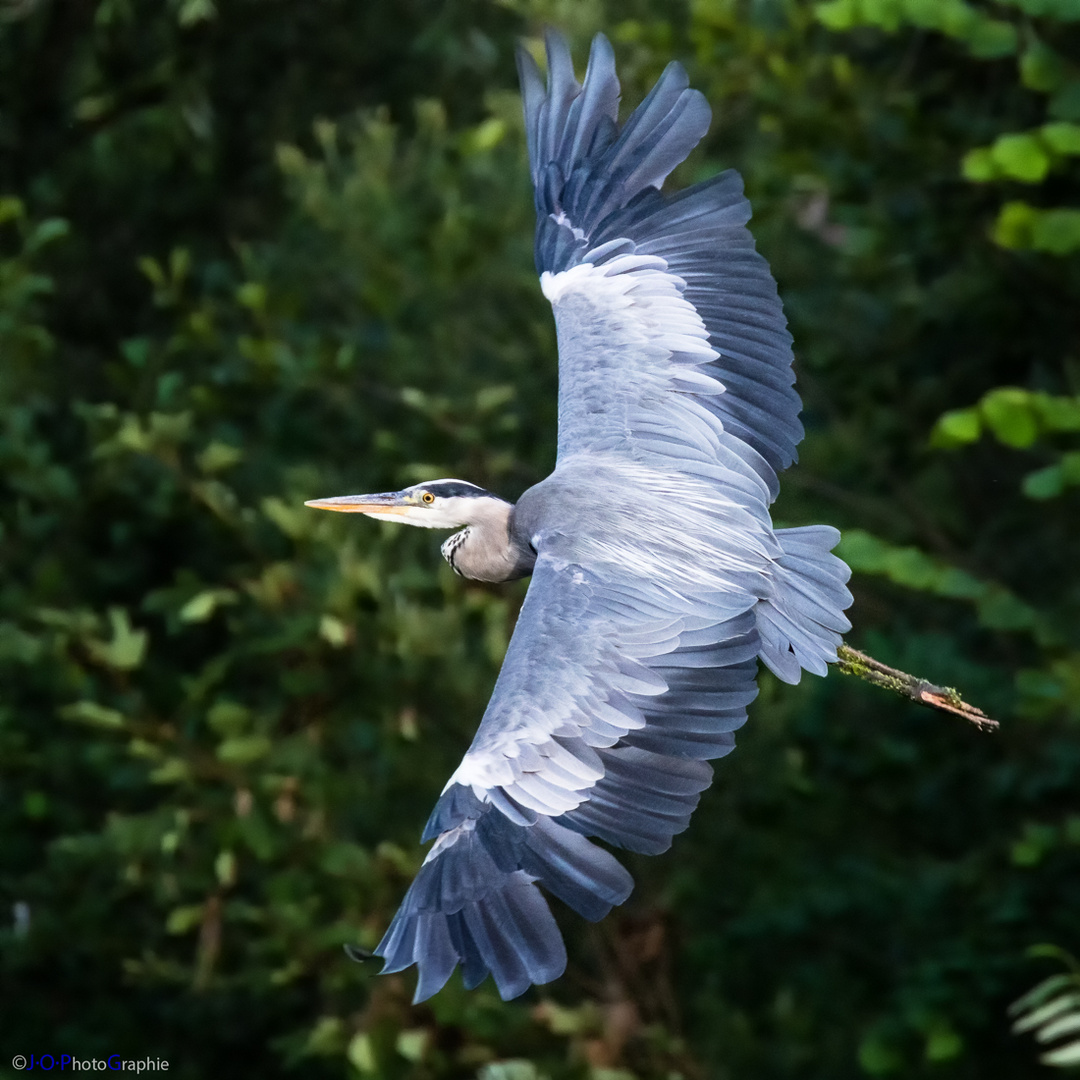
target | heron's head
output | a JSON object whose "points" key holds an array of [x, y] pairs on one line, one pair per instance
{"points": [[437, 504]]}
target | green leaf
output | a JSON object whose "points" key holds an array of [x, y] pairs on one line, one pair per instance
{"points": [[491, 398], [877, 1056], [244, 749], [943, 1043], [1014, 225], [911, 568], [19, 646], [1065, 104], [11, 209], [958, 585], [991, 39], [342, 858], [1021, 156], [1041, 68], [196, 11], [334, 632], [484, 137], [252, 295], [218, 456], [294, 519], [1070, 467], [127, 649], [957, 428], [979, 166], [412, 1044], [152, 271], [183, 919], [228, 717], [863, 552], [361, 1053], [836, 14], [46, 232], [136, 351], [1059, 413], [327, 1037], [225, 869], [510, 1069], [172, 771], [998, 609], [201, 606], [1065, 10], [90, 712], [1008, 413], [1057, 231], [1045, 483], [1054, 9], [1063, 138]]}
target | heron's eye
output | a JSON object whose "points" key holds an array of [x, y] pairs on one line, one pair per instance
{"points": [[428, 497]]}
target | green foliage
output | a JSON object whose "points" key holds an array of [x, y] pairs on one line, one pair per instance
{"points": [[984, 35], [24, 341], [1014, 416], [1028, 156], [1019, 418], [1064, 10], [996, 607], [297, 262], [1024, 227]]}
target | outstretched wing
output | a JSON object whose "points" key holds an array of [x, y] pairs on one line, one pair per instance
{"points": [[611, 696], [671, 332], [659, 580]]}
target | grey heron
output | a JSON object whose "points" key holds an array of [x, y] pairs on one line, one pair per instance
{"points": [[658, 579]]}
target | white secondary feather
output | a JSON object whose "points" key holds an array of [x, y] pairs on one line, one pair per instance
{"points": [[649, 297]]}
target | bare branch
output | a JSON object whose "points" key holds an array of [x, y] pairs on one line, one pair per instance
{"points": [[942, 698]]}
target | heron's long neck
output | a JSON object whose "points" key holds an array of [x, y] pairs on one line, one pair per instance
{"points": [[487, 550]]}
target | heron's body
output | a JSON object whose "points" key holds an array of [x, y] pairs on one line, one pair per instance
{"points": [[658, 580]]}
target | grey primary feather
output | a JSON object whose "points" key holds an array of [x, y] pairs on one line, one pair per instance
{"points": [[659, 581]]}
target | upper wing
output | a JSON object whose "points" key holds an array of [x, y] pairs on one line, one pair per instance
{"points": [[671, 334]]}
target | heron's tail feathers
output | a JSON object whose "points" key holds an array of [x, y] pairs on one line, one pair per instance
{"points": [[802, 623], [475, 901]]}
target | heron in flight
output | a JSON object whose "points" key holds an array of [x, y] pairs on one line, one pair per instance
{"points": [[658, 580]]}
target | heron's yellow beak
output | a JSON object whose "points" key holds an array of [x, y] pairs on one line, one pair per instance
{"points": [[390, 503]]}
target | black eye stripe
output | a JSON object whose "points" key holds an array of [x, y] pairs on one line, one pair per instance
{"points": [[454, 490]]}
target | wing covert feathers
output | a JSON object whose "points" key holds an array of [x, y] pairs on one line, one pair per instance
{"points": [[659, 580]]}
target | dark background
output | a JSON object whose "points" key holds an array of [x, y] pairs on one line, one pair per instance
{"points": [[259, 251]]}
